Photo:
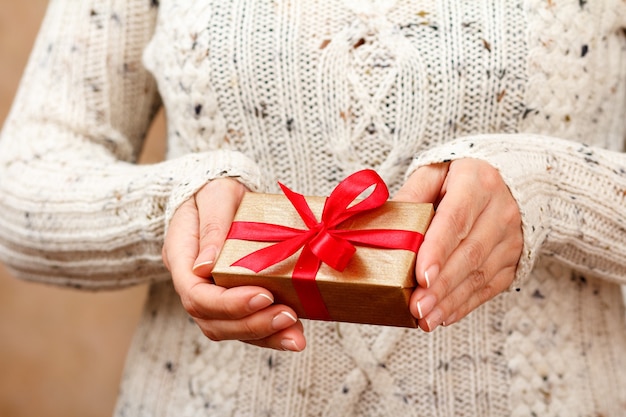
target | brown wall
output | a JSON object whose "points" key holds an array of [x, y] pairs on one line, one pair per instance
{"points": [[61, 351]]}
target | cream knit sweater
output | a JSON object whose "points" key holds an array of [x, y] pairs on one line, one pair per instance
{"points": [[307, 92]]}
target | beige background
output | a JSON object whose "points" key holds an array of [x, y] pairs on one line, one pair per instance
{"points": [[61, 351]]}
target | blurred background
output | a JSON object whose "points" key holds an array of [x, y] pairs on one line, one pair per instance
{"points": [[61, 351]]}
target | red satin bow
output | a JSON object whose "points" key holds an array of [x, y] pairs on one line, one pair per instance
{"points": [[322, 241]]}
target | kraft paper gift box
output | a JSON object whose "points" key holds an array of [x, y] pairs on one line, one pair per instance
{"points": [[374, 285]]}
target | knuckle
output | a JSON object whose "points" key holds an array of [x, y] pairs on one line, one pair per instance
{"points": [[485, 294], [474, 253], [225, 185], [511, 215], [516, 249], [251, 332], [444, 283], [190, 306], [212, 334], [230, 312], [490, 178], [458, 223], [212, 228], [478, 279], [190, 302], [230, 308]]}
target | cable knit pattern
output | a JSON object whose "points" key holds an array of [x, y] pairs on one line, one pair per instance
{"points": [[307, 92]]}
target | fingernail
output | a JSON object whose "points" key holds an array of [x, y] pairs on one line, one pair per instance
{"points": [[425, 305], [200, 266], [289, 344], [205, 261], [260, 301], [431, 274], [433, 320], [283, 320], [450, 320]]}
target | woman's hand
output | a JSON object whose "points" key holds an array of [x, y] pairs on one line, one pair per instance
{"points": [[471, 249], [196, 234]]}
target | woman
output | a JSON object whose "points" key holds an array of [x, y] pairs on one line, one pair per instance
{"points": [[507, 115]]}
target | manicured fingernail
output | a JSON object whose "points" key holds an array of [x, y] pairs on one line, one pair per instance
{"points": [[289, 344], [202, 266], [433, 320], [430, 275], [283, 320], [205, 261], [450, 320], [425, 305], [260, 301]]}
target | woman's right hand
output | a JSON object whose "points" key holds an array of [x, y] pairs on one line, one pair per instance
{"points": [[196, 234]]}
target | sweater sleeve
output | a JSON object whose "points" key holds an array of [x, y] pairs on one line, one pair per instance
{"points": [[572, 198], [75, 208]]}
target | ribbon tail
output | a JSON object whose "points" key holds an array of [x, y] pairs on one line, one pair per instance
{"points": [[303, 280], [382, 238], [262, 232], [298, 201], [273, 254]]}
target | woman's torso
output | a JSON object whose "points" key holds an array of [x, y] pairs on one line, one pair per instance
{"points": [[313, 91]]}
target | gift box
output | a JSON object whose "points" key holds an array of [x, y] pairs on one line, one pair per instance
{"points": [[341, 258]]}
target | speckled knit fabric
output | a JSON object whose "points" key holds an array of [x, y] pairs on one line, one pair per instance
{"points": [[307, 92]]}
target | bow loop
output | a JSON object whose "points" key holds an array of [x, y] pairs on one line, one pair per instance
{"points": [[339, 205]]}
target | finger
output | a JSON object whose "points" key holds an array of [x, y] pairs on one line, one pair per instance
{"points": [[291, 339], [258, 326], [476, 287], [467, 192], [200, 298], [180, 251], [490, 247], [466, 260], [207, 301], [424, 185], [180, 248], [217, 203], [497, 285]]}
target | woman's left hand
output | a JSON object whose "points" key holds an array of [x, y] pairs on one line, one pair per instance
{"points": [[471, 249]]}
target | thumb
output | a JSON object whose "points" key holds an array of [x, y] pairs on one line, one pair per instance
{"points": [[217, 204], [425, 185]]}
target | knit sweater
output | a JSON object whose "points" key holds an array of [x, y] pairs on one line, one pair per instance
{"points": [[307, 92]]}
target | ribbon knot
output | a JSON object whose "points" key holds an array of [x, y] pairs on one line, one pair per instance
{"points": [[322, 241], [334, 251]]}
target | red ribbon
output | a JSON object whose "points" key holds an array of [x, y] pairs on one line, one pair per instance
{"points": [[322, 241]]}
